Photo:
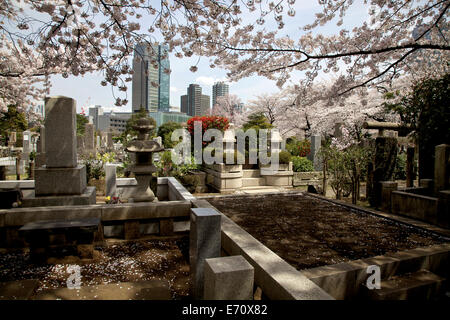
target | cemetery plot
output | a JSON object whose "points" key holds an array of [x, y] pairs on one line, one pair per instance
{"points": [[116, 262], [307, 232]]}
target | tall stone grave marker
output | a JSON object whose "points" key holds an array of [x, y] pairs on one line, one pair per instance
{"points": [[61, 174]]}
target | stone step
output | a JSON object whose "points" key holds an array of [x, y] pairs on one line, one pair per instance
{"points": [[251, 173], [420, 285], [261, 189], [253, 182]]}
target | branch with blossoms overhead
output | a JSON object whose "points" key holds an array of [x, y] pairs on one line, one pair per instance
{"points": [[73, 37]]}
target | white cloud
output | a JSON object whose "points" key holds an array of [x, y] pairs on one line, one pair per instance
{"points": [[209, 81], [173, 89]]}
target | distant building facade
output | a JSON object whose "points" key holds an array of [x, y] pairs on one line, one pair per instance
{"points": [[220, 89], [151, 78], [94, 113], [117, 121], [194, 103]]}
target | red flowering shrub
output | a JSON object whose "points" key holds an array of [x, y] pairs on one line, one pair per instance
{"points": [[208, 122], [299, 148]]}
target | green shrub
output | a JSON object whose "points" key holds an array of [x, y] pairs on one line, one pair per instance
{"points": [[302, 164], [400, 167], [284, 157]]}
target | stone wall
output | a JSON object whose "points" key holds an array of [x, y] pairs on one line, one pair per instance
{"points": [[307, 178], [415, 206]]}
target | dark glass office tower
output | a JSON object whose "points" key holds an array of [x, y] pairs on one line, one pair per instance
{"points": [[151, 78]]}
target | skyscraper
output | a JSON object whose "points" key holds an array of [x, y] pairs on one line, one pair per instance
{"points": [[151, 78], [219, 89], [194, 103]]}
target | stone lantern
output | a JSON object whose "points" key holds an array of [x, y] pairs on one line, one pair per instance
{"points": [[143, 166]]}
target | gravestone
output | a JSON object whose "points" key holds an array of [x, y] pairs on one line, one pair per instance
{"points": [[204, 243], [89, 138], [26, 145], [61, 179], [316, 143], [109, 141], [12, 139], [110, 180]]}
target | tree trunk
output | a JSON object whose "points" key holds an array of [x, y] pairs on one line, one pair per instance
{"points": [[324, 179], [410, 167], [18, 168]]}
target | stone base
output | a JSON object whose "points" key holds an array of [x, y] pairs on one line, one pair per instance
{"points": [[283, 178], [87, 197], [60, 181]]}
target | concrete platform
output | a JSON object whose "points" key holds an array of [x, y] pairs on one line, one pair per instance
{"points": [[88, 197], [143, 290]]}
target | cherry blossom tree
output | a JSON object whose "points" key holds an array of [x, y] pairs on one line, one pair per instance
{"points": [[45, 37], [280, 111], [229, 106]]}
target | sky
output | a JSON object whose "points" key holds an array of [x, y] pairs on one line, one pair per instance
{"points": [[87, 91]]}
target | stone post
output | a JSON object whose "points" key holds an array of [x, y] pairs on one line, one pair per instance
{"points": [[383, 167], [386, 190], [410, 167], [316, 142], [441, 167], [228, 278], [204, 243], [110, 180]]}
